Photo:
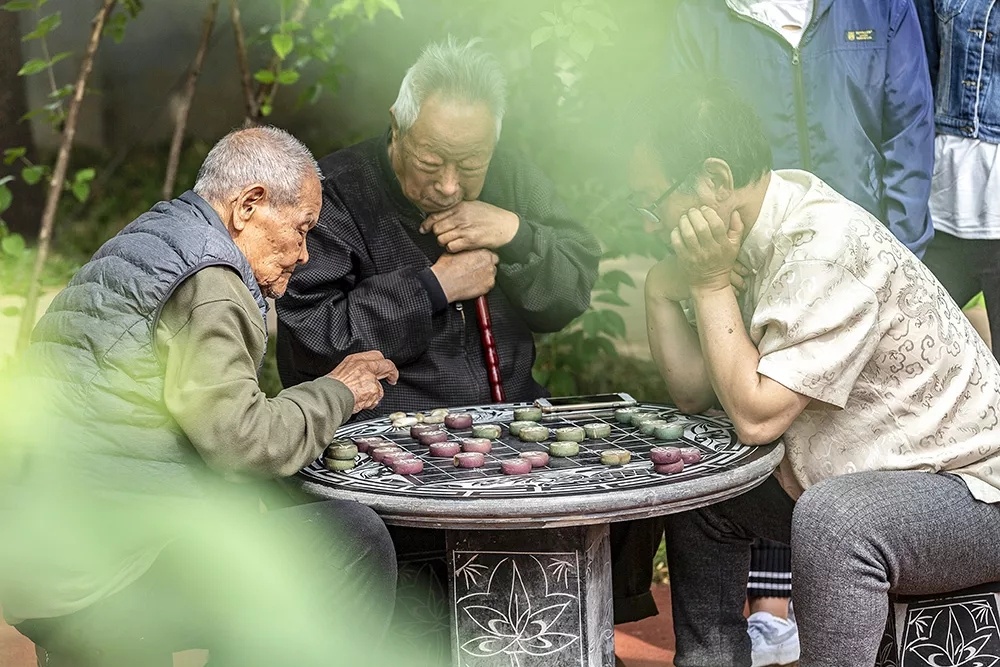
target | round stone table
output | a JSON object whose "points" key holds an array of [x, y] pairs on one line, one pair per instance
{"points": [[529, 568]]}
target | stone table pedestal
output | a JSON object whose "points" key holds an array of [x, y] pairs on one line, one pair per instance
{"points": [[531, 597]]}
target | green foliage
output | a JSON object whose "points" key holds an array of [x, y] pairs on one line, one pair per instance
{"points": [[577, 53], [312, 37], [23, 5], [125, 11], [16, 262], [578, 26]]}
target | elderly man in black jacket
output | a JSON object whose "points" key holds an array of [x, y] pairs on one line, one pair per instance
{"points": [[415, 225], [419, 222]]}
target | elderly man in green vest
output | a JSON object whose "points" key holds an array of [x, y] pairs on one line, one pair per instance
{"points": [[133, 524]]}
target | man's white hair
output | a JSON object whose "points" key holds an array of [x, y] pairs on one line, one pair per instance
{"points": [[458, 72], [265, 155]]}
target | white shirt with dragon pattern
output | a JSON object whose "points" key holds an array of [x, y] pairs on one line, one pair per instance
{"points": [[843, 313]]}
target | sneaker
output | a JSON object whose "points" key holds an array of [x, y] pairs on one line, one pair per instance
{"points": [[775, 640]]}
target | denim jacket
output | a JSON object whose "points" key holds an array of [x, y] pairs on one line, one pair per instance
{"points": [[963, 48], [852, 104]]}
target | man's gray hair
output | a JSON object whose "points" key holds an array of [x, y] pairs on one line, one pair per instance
{"points": [[265, 155], [459, 72]]}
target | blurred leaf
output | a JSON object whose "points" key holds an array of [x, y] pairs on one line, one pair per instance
{"points": [[591, 322], [266, 108], [581, 44], [310, 95], [133, 7], [613, 323], [6, 197], [85, 175], [115, 27], [11, 311], [59, 57], [81, 191], [36, 65], [606, 346], [33, 174], [282, 45], [290, 26], [264, 76], [561, 383], [62, 92], [541, 35], [540, 376], [550, 17], [19, 5], [612, 279], [393, 7], [13, 245], [612, 298], [44, 27], [288, 77], [12, 155], [33, 66]]}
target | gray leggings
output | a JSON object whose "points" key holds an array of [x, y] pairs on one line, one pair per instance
{"points": [[855, 538]]}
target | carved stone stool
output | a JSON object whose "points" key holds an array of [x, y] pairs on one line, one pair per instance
{"points": [[957, 628]]}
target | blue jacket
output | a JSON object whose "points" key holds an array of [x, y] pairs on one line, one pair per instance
{"points": [[963, 49], [852, 104]]}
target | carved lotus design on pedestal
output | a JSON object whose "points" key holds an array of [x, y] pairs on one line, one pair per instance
{"points": [[514, 624]]}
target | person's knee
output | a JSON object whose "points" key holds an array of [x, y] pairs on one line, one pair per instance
{"points": [[360, 531], [838, 519]]}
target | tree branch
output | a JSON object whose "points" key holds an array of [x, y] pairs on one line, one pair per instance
{"points": [[59, 174], [265, 92], [184, 108], [241, 58]]}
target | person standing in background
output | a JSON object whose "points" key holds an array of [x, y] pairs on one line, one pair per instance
{"points": [[961, 42], [840, 94]]}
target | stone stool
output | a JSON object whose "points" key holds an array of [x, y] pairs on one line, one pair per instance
{"points": [[957, 628]]}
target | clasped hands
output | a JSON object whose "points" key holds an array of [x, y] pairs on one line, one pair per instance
{"points": [[704, 257], [470, 232]]}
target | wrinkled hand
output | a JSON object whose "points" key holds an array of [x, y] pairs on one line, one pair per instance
{"points": [[707, 247], [466, 275], [362, 372], [470, 225]]}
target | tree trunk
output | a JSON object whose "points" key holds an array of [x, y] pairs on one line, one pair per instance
{"points": [[184, 108], [26, 210], [59, 174]]}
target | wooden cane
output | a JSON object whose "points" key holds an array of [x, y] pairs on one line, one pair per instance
{"points": [[489, 349]]}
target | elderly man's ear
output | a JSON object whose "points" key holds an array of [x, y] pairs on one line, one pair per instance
{"points": [[393, 125], [719, 178], [246, 205]]}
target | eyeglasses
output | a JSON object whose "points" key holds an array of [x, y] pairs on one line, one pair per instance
{"points": [[647, 212]]}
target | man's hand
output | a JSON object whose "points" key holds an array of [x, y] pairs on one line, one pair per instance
{"points": [[362, 372], [466, 275], [471, 225], [707, 247]]}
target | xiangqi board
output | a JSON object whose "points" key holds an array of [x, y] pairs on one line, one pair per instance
{"points": [[584, 473]]}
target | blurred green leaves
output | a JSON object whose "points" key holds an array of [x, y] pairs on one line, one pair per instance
{"points": [[296, 49]]}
